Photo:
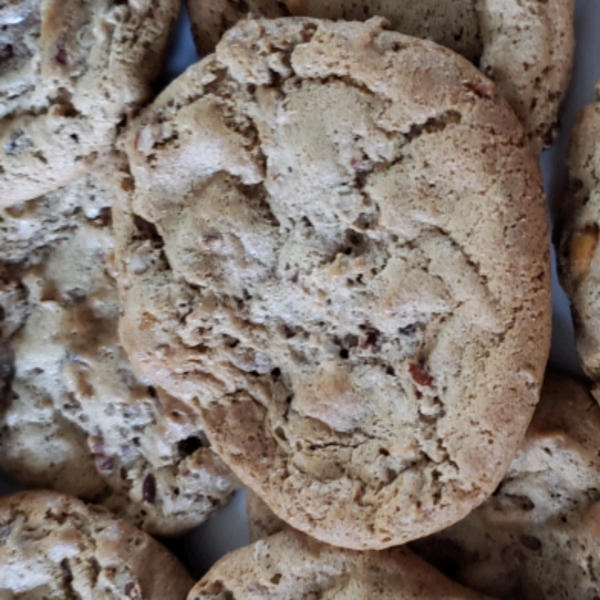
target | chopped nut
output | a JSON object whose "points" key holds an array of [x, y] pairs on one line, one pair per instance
{"points": [[61, 55], [419, 374], [149, 488], [583, 248], [372, 339], [104, 464]]}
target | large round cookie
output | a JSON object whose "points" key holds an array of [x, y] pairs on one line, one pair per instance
{"points": [[525, 46], [56, 548], [291, 566], [538, 536], [73, 415], [576, 238], [70, 73], [334, 244]]}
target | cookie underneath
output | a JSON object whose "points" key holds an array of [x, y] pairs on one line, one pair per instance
{"points": [[538, 535], [291, 566], [576, 238], [74, 417], [55, 547]]}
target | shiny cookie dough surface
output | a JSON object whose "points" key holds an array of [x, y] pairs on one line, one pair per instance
{"points": [[73, 415], [538, 535], [524, 46], [364, 330], [54, 547], [70, 73]]}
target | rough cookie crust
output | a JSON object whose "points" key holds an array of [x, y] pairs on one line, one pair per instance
{"points": [[70, 72], [525, 46], [291, 566], [340, 213], [538, 535], [57, 548], [73, 415], [576, 238]]}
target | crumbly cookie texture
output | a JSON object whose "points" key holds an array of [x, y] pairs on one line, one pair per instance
{"points": [[538, 535], [334, 244], [292, 566], [70, 73], [56, 548], [525, 46], [576, 238], [73, 415]]}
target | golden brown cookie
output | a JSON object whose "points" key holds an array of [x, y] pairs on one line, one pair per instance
{"points": [[292, 566], [74, 417], [538, 535], [524, 46], [57, 548], [576, 238], [71, 71], [333, 243]]}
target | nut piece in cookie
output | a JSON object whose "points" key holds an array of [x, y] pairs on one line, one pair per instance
{"points": [[74, 417], [524, 46], [55, 547], [71, 72], [333, 247], [538, 535], [291, 566]]}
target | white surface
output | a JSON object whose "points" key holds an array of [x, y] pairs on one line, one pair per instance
{"points": [[227, 529]]}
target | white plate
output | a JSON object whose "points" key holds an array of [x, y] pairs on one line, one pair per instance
{"points": [[228, 529]]}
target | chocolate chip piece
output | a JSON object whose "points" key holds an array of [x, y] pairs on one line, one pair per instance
{"points": [[149, 488], [531, 543], [61, 55]]}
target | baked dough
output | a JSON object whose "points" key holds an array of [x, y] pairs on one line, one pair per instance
{"points": [[333, 244], [71, 71]]}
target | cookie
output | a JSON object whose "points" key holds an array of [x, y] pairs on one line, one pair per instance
{"points": [[291, 566], [55, 547], [73, 415], [70, 73], [576, 238], [261, 521], [526, 47], [356, 298], [538, 535]]}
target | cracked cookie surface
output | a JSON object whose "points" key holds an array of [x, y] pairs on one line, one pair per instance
{"points": [[56, 548], [576, 238], [291, 566], [73, 415], [343, 264], [70, 72], [525, 46], [538, 535]]}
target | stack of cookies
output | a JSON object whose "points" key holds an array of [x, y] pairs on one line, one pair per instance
{"points": [[315, 265]]}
